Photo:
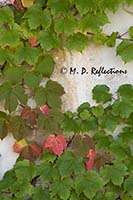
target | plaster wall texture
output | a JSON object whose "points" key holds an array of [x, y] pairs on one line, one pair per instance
{"points": [[78, 87]]}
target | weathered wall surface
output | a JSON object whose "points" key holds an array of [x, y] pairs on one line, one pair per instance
{"points": [[78, 87]]}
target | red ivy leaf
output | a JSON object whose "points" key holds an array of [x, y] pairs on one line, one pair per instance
{"points": [[91, 155], [19, 146], [61, 140], [36, 150], [33, 41], [44, 109], [30, 115], [27, 153], [25, 112], [55, 144], [32, 119], [89, 164]]}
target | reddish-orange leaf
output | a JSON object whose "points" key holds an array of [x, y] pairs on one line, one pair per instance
{"points": [[55, 144], [33, 41], [44, 109], [36, 150], [89, 164], [32, 119], [30, 115], [61, 140], [25, 112], [91, 155], [19, 146], [28, 154]]}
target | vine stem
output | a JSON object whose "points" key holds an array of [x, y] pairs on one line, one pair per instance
{"points": [[120, 37], [70, 141], [123, 34]]}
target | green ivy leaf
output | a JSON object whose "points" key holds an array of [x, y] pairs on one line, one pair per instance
{"points": [[89, 184], [56, 87], [24, 170], [43, 17], [102, 141], [126, 91], [26, 189], [85, 115], [47, 157], [112, 39], [34, 21], [100, 39], [32, 79], [6, 56], [110, 5], [114, 173], [20, 94], [11, 102], [9, 37], [3, 128], [39, 193], [53, 99], [61, 188], [6, 16], [128, 184], [125, 50], [9, 178], [45, 65], [126, 197], [101, 93], [74, 196], [131, 32], [93, 21], [58, 6], [49, 40], [84, 106], [82, 6], [105, 196], [69, 164], [46, 19], [122, 108], [89, 125], [5, 88], [97, 111], [71, 125], [14, 74], [126, 135], [66, 25], [40, 96], [120, 151], [53, 92], [28, 54], [129, 120], [13, 96], [78, 42], [109, 122], [48, 173]]}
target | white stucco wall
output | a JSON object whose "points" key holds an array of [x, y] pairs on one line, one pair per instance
{"points": [[78, 87]]}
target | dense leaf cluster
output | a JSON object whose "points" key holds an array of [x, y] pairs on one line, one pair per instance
{"points": [[65, 177], [27, 40]]}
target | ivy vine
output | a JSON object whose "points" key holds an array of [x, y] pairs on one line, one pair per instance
{"points": [[63, 168]]}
